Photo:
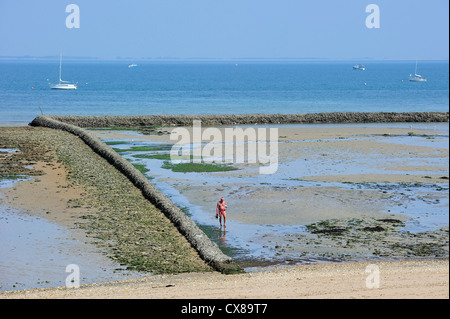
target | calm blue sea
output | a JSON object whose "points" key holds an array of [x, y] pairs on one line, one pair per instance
{"points": [[111, 88]]}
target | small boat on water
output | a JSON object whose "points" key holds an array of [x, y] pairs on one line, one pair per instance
{"points": [[360, 67], [132, 65], [63, 85], [416, 77]]}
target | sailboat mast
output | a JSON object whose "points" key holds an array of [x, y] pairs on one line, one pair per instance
{"points": [[60, 60]]}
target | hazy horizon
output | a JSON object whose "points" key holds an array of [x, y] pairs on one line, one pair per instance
{"points": [[237, 59]]}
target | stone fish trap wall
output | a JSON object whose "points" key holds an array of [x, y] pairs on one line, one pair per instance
{"points": [[207, 249], [234, 119]]}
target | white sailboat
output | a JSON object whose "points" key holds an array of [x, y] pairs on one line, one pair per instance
{"points": [[416, 77], [63, 85]]}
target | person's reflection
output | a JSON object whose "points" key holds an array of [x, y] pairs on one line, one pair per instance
{"points": [[222, 235]]}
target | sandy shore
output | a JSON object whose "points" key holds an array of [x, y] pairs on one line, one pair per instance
{"points": [[57, 194], [397, 280]]}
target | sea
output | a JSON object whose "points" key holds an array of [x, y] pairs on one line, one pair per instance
{"points": [[219, 87]]}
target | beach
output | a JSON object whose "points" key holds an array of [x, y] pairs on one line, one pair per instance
{"points": [[398, 280], [90, 198]]}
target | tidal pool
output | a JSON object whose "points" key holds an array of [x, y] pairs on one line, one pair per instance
{"points": [[34, 253], [325, 172]]}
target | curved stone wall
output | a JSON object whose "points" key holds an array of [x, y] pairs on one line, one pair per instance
{"points": [[207, 249]]}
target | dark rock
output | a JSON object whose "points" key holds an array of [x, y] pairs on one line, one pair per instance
{"points": [[375, 228]]}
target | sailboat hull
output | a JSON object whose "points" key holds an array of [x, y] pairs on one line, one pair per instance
{"points": [[418, 79], [63, 86]]}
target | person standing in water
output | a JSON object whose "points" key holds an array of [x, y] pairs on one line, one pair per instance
{"points": [[221, 209]]}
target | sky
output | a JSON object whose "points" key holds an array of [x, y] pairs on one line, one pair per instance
{"points": [[226, 29]]}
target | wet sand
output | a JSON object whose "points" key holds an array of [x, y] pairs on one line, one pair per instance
{"points": [[52, 200], [81, 197], [301, 204], [354, 177]]}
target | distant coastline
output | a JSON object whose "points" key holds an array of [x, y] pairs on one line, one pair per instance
{"points": [[205, 59]]}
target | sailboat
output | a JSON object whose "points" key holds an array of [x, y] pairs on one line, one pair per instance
{"points": [[416, 77], [359, 67], [63, 85]]}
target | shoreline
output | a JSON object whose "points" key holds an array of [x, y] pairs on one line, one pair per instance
{"points": [[301, 266]]}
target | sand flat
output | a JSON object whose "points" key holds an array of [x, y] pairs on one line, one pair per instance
{"points": [[303, 199], [336, 174]]}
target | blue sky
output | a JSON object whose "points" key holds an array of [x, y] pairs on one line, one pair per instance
{"points": [[324, 29]]}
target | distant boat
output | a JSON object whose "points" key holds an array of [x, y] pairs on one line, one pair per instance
{"points": [[63, 85], [132, 65], [359, 67], [416, 77]]}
